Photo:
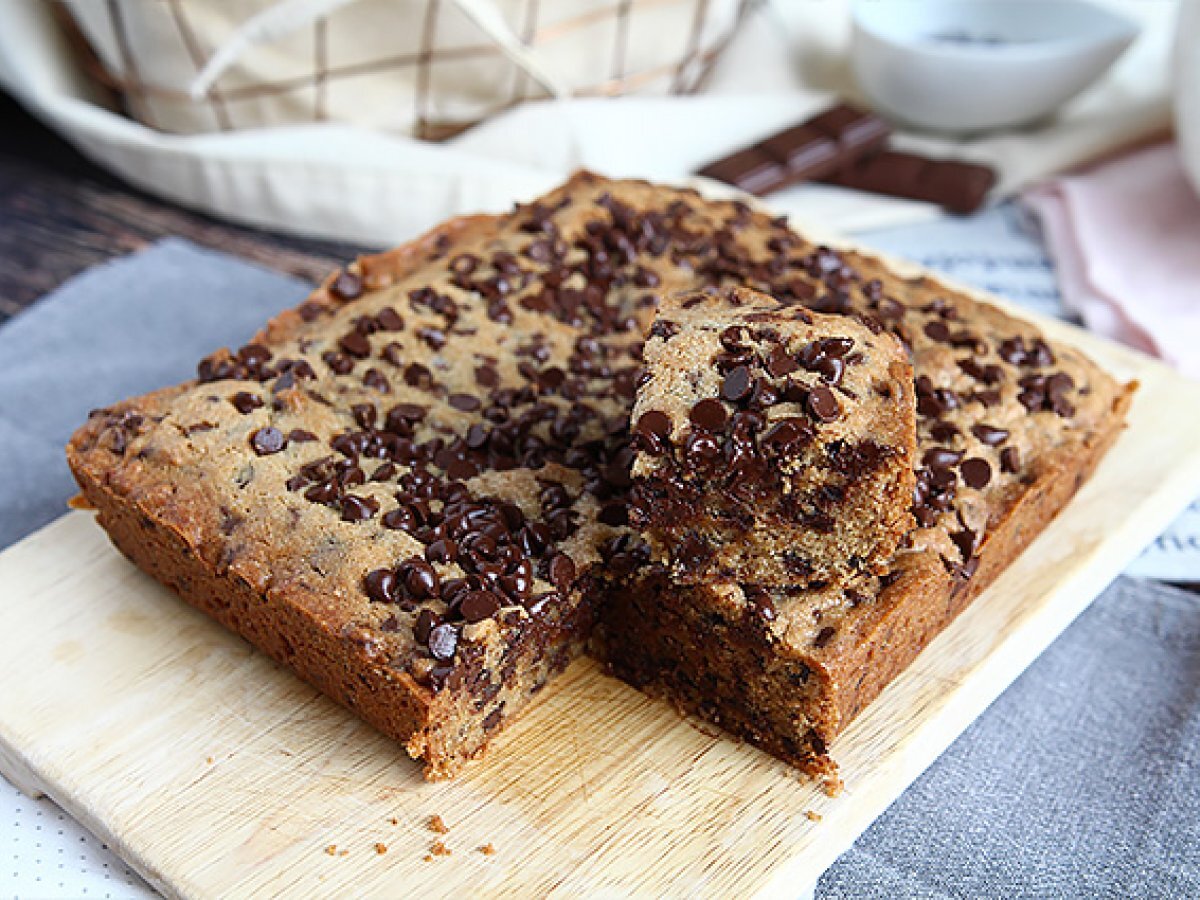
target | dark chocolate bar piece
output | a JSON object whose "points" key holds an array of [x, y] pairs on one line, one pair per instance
{"points": [[750, 170], [956, 186], [814, 149]]}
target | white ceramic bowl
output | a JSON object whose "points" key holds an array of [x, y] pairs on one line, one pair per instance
{"points": [[973, 65]]}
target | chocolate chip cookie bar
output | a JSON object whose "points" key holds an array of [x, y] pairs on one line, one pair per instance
{"points": [[413, 489], [775, 445]]}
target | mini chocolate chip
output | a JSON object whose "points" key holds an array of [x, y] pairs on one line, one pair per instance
{"points": [[381, 586], [824, 636], [702, 450], [1010, 460], [347, 286], [822, 405], [357, 509], [267, 440], [836, 346], [560, 571], [419, 578], [464, 402], [787, 435], [443, 641], [364, 414], [941, 457], [737, 384], [245, 402], [976, 472], [937, 331], [389, 320], [427, 620], [355, 344], [709, 414], [944, 432], [654, 428], [780, 362], [989, 435], [400, 519], [479, 605]]}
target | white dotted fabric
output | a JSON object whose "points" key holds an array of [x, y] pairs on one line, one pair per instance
{"points": [[45, 855]]}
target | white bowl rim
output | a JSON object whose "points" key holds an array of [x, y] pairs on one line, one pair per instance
{"points": [[1116, 27]]}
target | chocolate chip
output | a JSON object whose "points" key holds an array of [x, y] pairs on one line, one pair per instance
{"points": [[347, 286], [780, 362], [822, 405], [357, 509], [268, 440], [364, 414], [479, 605], [976, 473], [560, 571], [944, 432], [737, 384], [937, 331], [709, 414], [245, 402], [389, 320], [787, 435], [464, 402], [761, 602], [1010, 460], [654, 429], [427, 620], [614, 514], [381, 586], [824, 636], [989, 435], [355, 344], [941, 457], [443, 641], [702, 450], [419, 578], [373, 378]]}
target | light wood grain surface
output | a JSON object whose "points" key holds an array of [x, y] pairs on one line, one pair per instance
{"points": [[216, 773]]}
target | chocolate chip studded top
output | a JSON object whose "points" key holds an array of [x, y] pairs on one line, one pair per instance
{"points": [[439, 436], [775, 445]]}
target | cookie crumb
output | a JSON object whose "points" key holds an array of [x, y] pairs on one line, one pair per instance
{"points": [[209, 760], [437, 825], [439, 849], [331, 849], [487, 850], [343, 853], [813, 816], [394, 820], [381, 849]]}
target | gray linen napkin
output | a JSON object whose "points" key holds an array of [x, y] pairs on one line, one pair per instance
{"points": [[124, 328], [1082, 780]]}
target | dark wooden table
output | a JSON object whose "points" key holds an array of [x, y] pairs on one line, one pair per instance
{"points": [[59, 215]]}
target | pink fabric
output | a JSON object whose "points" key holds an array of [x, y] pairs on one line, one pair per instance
{"points": [[1125, 237]]}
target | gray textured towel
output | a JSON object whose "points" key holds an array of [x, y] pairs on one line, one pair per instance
{"points": [[1082, 780]]}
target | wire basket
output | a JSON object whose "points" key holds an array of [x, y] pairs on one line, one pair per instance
{"points": [[426, 68]]}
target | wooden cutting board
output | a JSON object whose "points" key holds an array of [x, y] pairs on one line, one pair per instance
{"points": [[216, 773]]}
